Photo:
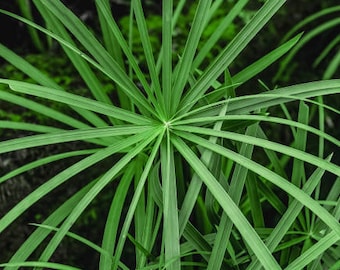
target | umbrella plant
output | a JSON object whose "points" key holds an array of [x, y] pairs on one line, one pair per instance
{"points": [[193, 165]]}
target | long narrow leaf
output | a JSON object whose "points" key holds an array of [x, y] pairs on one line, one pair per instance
{"points": [[167, 9], [75, 100], [93, 192], [43, 161], [232, 51], [88, 40], [277, 180], [127, 51], [250, 103], [134, 201], [48, 265], [63, 176], [112, 221], [37, 237], [260, 118], [41, 78], [79, 63], [67, 136], [236, 188], [313, 252], [230, 208], [171, 227], [290, 214], [221, 28], [290, 151], [149, 54], [265, 61], [44, 110], [183, 67]]}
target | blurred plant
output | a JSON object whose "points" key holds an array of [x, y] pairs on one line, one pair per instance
{"points": [[332, 22], [190, 190], [25, 7], [327, 22]]}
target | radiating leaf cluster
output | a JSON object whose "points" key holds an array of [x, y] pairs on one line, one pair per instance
{"points": [[197, 167]]}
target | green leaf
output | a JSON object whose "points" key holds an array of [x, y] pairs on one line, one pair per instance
{"points": [[41, 78], [112, 220], [149, 54], [87, 39], [231, 52], [38, 236], [42, 109], [75, 100], [167, 10], [236, 188], [313, 33], [265, 61], [290, 151], [230, 208], [65, 175], [171, 227], [135, 199], [48, 265], [68, 136], [291, 214], [44, 161], [313, 252], [184, 66], [255, 118], [221, 28], [277, 180], [79, 62], [127, 51], [94, 191]]}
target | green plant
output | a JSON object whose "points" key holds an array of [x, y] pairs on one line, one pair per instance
{"points": [[226, 32], [26, 9], [198, 183], [332, 21]]}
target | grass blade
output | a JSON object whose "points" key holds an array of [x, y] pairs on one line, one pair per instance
{"points": [[79, 63], [42, 109], [149, 54], [291, 214], [221, 28], [48, 265], [264, 62], [127, 51]]}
